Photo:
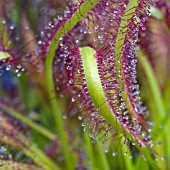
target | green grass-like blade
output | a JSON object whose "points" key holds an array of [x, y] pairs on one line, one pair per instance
{"points": [[34, 126], [160, 114], [154, 87], [90, 151]]}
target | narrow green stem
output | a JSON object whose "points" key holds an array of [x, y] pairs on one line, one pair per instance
{"points": [[62, 133], [103, 159], [158, 103], [141, 163], [126, 157], [40, 129], [78, 15], [167, 98], [154, 87], [90, 152]]}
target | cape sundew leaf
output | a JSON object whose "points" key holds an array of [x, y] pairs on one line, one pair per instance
{"points": [[102, 77]]}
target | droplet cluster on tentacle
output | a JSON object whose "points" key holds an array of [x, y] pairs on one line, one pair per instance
{"points": [[47, 35], [12, 52], [111, 29]]}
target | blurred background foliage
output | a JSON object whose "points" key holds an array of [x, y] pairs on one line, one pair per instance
{"points": [[25, 114]]}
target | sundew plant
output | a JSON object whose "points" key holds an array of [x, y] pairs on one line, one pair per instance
{"points": [[84, 85]]}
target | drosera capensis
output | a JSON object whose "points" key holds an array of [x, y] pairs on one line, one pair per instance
{"points": [[104, 84], [90, 59]]}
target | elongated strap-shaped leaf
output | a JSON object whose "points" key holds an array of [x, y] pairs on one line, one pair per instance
{"points": [[97, 95], [120, 40], [80, 13], [95, 87]]}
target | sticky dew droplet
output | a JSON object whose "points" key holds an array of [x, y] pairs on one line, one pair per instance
{"points": [[125, 153], [163, 158], [114, 153], [131, 157], [65, 116], [106, 150]]}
